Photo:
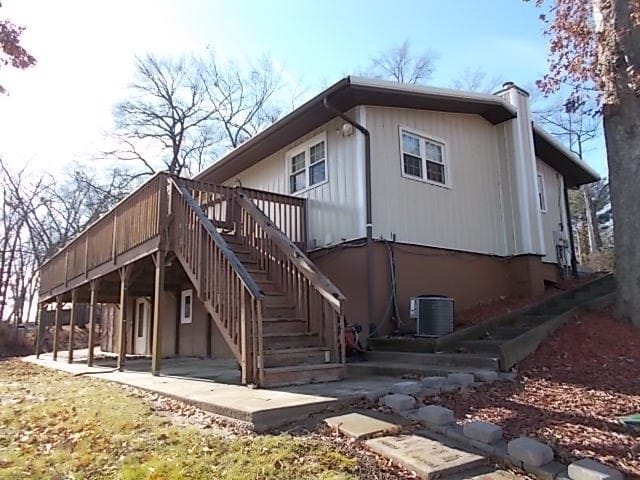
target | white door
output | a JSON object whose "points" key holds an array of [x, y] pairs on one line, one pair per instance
{"points": [[142, 324]]}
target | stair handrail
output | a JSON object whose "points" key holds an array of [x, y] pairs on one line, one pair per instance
{"points": [[238, 267], [324, 286]]}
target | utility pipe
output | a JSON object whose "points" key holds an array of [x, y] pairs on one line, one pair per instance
{"points": [[367, 190], [574, 262]]}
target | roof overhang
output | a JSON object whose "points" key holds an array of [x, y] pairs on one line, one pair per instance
{"points": [[575, 171], [344, 95]]}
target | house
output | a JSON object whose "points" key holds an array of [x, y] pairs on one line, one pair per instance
{"points": [[368, 194]]}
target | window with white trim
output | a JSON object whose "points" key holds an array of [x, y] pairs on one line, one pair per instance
{"points": [[186, 306], [423, 158], [542, 199], [307, 164]]}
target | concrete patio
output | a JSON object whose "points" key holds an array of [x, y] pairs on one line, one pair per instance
{"points": [[214, 386]]}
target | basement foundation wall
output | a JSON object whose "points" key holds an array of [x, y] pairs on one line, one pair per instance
{"points": [[469, 278]]}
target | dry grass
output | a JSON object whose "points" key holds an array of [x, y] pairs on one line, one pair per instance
{"points": [[55, 426]]}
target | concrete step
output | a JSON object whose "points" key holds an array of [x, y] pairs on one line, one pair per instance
{"points": [[303, 374], [394, 369], [284, 325], [437, 360], [530, 321], [402, 344], [504, 333], [481, 346], [289, 357], [277, 341]]}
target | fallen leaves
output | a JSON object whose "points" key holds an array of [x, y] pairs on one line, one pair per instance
{"points": [[571, 392]]}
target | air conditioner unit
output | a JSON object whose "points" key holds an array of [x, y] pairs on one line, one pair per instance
{"points": [[433, 315]]}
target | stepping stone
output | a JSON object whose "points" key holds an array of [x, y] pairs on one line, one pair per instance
{"points": [[587, 469], [530, 451], [433, 382], [359, 426], [462, 379], [428, 458], [406, 388], [398, 402], [484, 432], [436, 415]]}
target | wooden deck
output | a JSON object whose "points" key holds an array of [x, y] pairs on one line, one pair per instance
{"points": [[233, 245]]}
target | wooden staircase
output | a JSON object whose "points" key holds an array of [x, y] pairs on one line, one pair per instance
{"points": [[279, 315]]}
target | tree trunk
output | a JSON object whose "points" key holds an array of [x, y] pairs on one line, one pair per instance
{"points": [[622, 135]]}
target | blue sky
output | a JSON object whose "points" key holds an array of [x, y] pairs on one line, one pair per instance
{"points": [[59, 111]]}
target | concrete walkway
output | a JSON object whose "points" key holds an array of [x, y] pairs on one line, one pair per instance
{"points": [[213, 385]]}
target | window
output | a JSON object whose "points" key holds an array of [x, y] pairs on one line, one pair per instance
{"points": [[186, 306], [307, 164], [140, 319], [542, 199], [423, 158]]}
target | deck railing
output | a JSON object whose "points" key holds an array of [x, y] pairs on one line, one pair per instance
{"points": [[228, 292], [132, 222], [316, 298]]}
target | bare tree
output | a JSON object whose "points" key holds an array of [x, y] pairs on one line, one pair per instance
{"points": [[243, 99], [576, 125], [476, 80], [167, 113], [190, 111], [40, 214], [400, 65]]}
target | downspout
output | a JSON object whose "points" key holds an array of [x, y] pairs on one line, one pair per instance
{"points": [[567, 207], [367, 190]]}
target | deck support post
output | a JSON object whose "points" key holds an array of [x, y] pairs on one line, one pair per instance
{"points": [[125, 273], [40, 332], [72, 322], [158, 289], [92, 320], [56, 326]]}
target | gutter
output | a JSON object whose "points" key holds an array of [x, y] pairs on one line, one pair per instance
{"points": [[367, 189]]}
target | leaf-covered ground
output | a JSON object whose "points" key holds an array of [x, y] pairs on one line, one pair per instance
{"points": [[56, 426], [571, 392]]}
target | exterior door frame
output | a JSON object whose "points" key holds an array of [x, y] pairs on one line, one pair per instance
{"points": [[142, 326]]}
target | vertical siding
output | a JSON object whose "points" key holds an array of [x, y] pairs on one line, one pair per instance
{"points": [[554, 218], [336, 208], [469, 215]]}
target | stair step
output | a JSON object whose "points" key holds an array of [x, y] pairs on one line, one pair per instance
{"points": [[257, 273], [436, 360], [504, 333], [288, 357], [284, 325], [393, 369], [277, 341], [530, 321], [277, 299], [480, 346], [280, 311], [303, 374]]}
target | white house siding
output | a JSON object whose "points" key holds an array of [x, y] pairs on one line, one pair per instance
{"points": [[468, 216], [336, 209], [555, 216]]}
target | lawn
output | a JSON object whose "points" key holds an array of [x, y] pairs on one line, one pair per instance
{"points": [[571, 393], [56, 426]]}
